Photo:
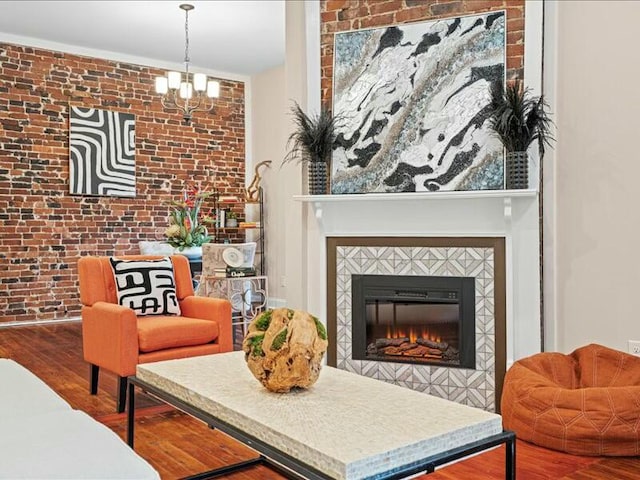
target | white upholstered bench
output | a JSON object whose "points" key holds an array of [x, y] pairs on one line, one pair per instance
{"points": [[42, 437]]}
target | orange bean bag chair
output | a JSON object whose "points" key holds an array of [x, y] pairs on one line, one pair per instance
{"points": [[584, 403]]}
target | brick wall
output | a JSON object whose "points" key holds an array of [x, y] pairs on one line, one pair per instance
{"points": [[343, 15], [44, 229]]}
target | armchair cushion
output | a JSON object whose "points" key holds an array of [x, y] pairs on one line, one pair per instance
{"points": [[146, 286], [161, 332]]}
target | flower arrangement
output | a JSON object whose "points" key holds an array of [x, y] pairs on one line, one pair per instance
{"points": [[186, 227]]}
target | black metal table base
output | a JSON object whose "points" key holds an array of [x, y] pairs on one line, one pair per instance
{"points": [[236, 467], [294, 469]]}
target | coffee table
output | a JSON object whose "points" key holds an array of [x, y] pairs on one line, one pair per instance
{"points": [[345, 427]]}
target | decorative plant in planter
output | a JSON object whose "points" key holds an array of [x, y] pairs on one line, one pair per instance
{"points": [[187, 228], [232, 219], [311, 143], [518, 119]]}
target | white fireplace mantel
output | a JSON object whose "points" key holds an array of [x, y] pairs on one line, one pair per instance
{"points": [[389, 197], [512, 214], [318, 201]]}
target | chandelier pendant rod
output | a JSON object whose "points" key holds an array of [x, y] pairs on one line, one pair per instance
{"points": [[186, 9]]}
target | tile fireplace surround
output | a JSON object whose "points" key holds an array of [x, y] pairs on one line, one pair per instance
{"points": [[481, 258], [492, 236]]}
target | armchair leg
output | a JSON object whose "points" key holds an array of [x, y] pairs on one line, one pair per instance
{"points": [[122, 393], [95, 372]]}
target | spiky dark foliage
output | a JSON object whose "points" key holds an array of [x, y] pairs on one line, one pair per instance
{"points": [[313, 137], [519, 119]]}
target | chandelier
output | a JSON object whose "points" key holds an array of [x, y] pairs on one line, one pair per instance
{"points": [[185, 91]]}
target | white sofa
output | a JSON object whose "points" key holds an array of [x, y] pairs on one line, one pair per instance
{"points": [[42, 437]]}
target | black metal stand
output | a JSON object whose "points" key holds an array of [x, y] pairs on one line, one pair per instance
{"points": [[293, 468]]}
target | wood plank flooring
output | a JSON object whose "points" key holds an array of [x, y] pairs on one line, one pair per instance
{"points": [[178, 446]]}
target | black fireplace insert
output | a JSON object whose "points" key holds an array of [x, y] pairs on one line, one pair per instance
{"points": [[414, 319]]}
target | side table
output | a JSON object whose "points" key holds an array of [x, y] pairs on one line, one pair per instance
{"points": [[248, 297], [195, 265]]}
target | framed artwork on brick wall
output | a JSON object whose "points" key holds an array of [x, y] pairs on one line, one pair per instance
{"points": [[413, 102], [101, 153]]}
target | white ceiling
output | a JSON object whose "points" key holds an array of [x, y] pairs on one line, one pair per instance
{"points": [[241, 37]]}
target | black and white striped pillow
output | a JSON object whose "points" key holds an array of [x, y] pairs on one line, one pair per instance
{"points": [[146, 286]]}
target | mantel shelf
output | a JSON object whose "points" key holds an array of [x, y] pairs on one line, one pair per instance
{"points": [[507, 196], [391, 197]]}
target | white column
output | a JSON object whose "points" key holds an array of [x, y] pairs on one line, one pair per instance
{"points": [[294, 221]]}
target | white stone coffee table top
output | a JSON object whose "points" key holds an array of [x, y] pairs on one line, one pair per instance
{"points": [[346, 425]]}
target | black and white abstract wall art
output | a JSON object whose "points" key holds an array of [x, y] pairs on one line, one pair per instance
{"points": [[413, 102], [101, 153]]}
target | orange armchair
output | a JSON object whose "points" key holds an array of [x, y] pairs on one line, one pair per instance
{"points": [[114, 338]]}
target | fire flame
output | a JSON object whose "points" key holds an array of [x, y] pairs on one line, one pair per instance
{"points": [[413, 334]]}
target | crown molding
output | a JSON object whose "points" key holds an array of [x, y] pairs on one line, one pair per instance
{"points": [[115, 56]]}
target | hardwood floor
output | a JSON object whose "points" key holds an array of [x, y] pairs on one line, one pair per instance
{"points": [[177, 445]]}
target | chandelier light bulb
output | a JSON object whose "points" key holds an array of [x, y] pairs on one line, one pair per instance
{"points": [[174, 79], [186, 90], [199, 82], [162, 85], [213, 89]]}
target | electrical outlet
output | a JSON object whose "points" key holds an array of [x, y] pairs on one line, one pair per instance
{"points": [[634, 347]]}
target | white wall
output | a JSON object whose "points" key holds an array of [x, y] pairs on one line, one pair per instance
{"points": [[269, 133], [273, 94], [596, 270], [294, 234]]}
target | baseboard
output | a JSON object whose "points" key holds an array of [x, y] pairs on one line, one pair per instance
{"points": [[29, 323]]}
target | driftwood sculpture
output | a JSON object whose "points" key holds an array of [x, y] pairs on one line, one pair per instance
{"points": [[284, 348], [251, 193]]}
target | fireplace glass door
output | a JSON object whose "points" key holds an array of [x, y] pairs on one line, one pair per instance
{"points": [[414, 319]]}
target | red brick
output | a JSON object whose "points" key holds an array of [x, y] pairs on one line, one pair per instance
{"points": [[329, 16], [514, 11], [515, 50], [413, 14], [377, 20], [513, 38], [329, 27], [419, 3], [446, 8], [515, 24], [355, 11], [480, 5], [331, 5], [385, 7]]}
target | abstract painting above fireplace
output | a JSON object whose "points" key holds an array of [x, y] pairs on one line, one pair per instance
{"points": [[413, 105]]}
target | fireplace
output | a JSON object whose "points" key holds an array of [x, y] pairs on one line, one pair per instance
{"points": [[414, 319]]}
